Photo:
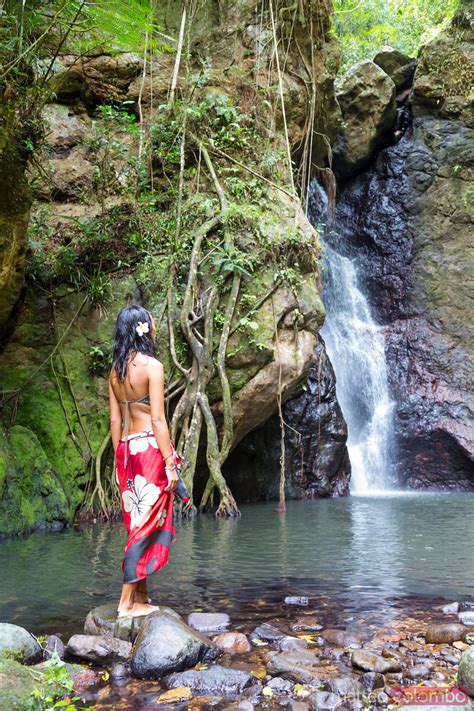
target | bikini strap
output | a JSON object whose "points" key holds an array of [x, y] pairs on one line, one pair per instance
{"points": [[126, 424]]}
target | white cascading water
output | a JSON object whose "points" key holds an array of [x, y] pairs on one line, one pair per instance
{"points": [[355, 346]]}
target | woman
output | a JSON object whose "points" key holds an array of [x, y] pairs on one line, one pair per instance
{"points": [[145, 458]]}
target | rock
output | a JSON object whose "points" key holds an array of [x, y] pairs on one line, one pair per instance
{"points": [[206, 622], [347, 685], [466, 606], [466, 671], [419, 671], [243, 705], [215, 680], [467, 618], [369, 661], [306, 624], [103, 621], [18, 644], [399, 67], [451, 608], [289, 644], [166, 644], [268, 633], [303, 667], [16, 686], [64, 128], [445, 633], [324, 701], [119, 671], [83, 679], [101, 650], [53, 645], [372, 680], [280, 686], [232, 642], [296, 600], [341, 638], [297, 705], [366, 96]]}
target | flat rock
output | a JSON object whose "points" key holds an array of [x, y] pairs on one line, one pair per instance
{"points": [[465, 606], [101, 650], [296, 600], [280, 686], [372, 680], [206, 622], [289, 644], [466, 671], [467, 618], [347, 685], [167, 644], [370, 661], [341, 638], [234, 642], [215, 680], [452, 608], [306, 624], [324, 701], [19, 644], [445, 633], [268, 633], [418, 671], [103, 621], [302, 666]]}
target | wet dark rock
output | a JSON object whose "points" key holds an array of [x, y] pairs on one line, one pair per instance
{"points": [[306, 624], [419, 671], [102, 620], [324, 701], [280, 686], [268, 633], [466, 606], [215, 680], [302, 667], [399, 67], [467, 617], [296, 600], [119, 671], [289, 644], [315, 438], [19, 644], [207, 622], [53, 645], [101, 650], [406, 223], [445, 634], [232, 642], [370, 661], [167, 644], [372, 680], [341, 638], [347, 685], [466, 671]]}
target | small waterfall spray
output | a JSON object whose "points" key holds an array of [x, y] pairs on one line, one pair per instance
{"points": [[355, 346]]}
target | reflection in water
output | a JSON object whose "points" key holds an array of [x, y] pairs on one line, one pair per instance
{"points": [[361, 554]]}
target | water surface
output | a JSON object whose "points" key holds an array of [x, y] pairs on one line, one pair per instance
{"points": [[353, 556]]}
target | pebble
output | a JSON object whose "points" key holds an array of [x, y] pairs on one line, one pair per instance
{"points": [[341, 638], [324, 701], [445, 633], [452, 608], [101, 650], [206, 622], [235, 642], [419, 671], [268, 633], [306, 624], [289, 644], [280, 686], [467, 617], [53, 645], [369, 661], [372, 680], [296, 600], [214, 680]]}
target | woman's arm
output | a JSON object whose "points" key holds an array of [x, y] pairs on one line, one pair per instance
{"points": [[115, 417], [158, 419]]}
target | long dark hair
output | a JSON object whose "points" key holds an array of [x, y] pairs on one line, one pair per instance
{"points": [[127, 340]]}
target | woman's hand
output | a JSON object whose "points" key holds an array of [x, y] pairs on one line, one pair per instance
{"points": [[173, 479]]}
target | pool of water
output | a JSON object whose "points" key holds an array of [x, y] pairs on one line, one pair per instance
{"points": [[354, 556]]}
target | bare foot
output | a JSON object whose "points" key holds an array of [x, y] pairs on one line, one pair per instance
{"points": [[138, 609]]}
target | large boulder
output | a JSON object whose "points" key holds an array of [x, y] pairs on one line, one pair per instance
{"points": [[399, 66], [166, 644], [103, 620], [466, 671], [215, 680], [366, 95], [19, 644]]}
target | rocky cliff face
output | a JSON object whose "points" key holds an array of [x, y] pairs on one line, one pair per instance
{"points": [[54, 364], [410, 220]]}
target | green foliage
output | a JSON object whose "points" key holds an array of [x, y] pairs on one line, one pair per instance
{"points": [[100, 359], [229, 260], [364, 27], [54, 683]]}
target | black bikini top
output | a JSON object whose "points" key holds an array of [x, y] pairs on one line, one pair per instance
{"points": [[145, 400]]}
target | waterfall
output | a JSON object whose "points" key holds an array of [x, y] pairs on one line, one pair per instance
{"points": [[355, 346]]}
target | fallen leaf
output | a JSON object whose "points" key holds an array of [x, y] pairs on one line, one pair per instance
{"points": [[259, 643], [301, 691], [105, 675], [307, 637], [200, 667], [266, 691], [181, 693], [460, 645], [259, 673]]}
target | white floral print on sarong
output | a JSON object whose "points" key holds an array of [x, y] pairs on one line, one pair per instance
{"points": [[139, 500], [141, 444]]}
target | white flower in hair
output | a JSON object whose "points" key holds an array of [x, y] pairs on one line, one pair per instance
{"points": [[142, 328]]}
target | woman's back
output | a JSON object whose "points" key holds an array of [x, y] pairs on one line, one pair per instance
{"points": [[133, 393]]}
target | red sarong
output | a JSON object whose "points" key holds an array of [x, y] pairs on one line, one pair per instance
{"points": [[147, 507]]}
